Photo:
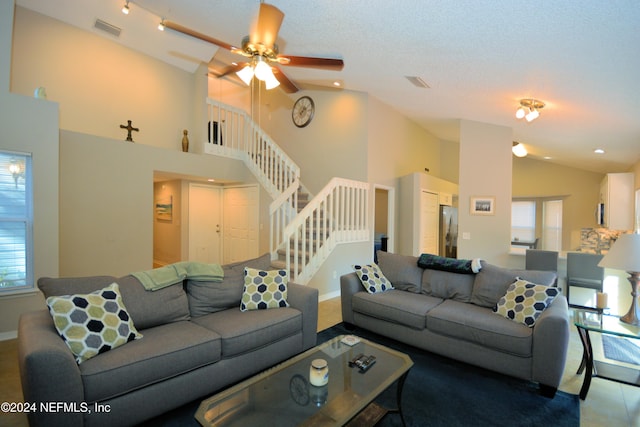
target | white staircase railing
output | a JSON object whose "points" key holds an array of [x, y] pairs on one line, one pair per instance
{"points": [[338, 214], [232, 133]]}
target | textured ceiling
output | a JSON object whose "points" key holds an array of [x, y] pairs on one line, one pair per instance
{"points": [[478, 57]]}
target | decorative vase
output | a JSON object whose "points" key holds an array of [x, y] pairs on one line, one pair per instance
{"points": [[185, 141]]}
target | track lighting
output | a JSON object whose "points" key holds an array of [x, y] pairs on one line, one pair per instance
{"points": [[261, 70], [125, 8], [518, 149], [529, 109]]}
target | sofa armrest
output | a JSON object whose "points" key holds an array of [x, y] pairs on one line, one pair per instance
{"points": [[305, 299], [350, 284], [550, 343], [48, 369]]}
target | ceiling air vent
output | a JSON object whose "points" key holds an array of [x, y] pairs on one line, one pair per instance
{"points": [[108, 28], [417, 81]]}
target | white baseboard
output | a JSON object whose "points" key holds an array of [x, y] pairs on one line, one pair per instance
{"points": [[11, 335], [330, 295]]}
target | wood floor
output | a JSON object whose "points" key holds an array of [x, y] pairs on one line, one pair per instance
{"points": [[608, 404]]}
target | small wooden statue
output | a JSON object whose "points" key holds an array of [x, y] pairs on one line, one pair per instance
{"points": [[185, 141]]}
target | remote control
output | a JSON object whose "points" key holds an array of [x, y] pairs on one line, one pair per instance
{"points": [[357, 361], [368, 363]]}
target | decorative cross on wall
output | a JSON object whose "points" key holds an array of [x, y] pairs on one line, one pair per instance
{"points": [[129, 128]]}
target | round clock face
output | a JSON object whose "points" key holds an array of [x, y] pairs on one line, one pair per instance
{"points": [[302, 112], [299, 389]]}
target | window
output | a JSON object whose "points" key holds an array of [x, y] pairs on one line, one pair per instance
{"points": [[552, 225], [523, 220], [16, 222]]}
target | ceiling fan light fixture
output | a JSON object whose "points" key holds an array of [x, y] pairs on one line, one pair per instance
{"points": [[520, 113], [271, 82], [262, 70], [246, 74], [161, 25]]}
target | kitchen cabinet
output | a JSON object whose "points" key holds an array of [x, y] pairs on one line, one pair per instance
{"points": [[616, 193]]}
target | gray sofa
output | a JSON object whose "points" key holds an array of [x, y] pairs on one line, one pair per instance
{"points": [[451, 314], [196, 341]]}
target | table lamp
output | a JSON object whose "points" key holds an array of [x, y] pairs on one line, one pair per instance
{"points": [[625, 255]]}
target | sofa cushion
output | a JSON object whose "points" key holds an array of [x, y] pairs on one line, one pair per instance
{"points": [[395, 306], [93, 323], [481, 326], [264, 289], [445, 285], [147, 308], [491, 282], [372, 278], [524, 301], [401, 270], [242, 332], [209, 297], [165, 352]]}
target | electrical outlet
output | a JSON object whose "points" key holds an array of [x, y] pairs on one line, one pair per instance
{"points": [[466, 236]]}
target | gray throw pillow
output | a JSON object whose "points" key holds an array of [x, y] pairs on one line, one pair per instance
{"points": [[401, 270], [209, 297], [491, 282]]}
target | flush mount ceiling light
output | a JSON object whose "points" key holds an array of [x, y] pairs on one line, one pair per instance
{"points": [[529, 109], [518, 149]]}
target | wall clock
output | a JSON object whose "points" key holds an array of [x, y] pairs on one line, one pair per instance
{"points": [[302, 112]]}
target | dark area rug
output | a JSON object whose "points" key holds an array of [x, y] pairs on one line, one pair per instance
{"points": [[620, 349], [442, 392]]}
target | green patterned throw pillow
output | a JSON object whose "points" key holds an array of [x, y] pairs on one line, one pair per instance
{"points": [[372, 278], [93, 323], [264, 289], [524, 301]]}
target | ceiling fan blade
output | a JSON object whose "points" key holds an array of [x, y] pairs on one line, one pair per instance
{"points": [[189, 32], [267, 26], [308, 62], [287, 85]]}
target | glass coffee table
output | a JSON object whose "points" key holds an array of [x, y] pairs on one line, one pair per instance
{"points": [[283, 395], [595, 321]]}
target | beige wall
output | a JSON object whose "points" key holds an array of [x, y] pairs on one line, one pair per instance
{"points": [[99, 84], [30, 125], [578, 190], [485, 170]]}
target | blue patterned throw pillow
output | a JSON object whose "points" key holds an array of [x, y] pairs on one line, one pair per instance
{"points": [[524, 301], [372, 278]]}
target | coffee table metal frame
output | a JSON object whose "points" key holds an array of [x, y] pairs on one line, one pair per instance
{"points": [[348, 396], [596, 321]]}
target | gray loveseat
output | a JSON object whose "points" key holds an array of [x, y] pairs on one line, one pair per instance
{"points": [[451, 314], [195, 342]]}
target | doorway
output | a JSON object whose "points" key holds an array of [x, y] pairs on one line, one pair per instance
{"points": [[205, 224], [383, 218]]}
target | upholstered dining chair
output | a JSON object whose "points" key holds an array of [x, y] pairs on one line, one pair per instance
{"points": [[583, 272]]}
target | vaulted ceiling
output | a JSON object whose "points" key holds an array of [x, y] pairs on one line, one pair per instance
{"points": [[479, 58]]}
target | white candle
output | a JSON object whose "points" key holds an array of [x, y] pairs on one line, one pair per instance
{"points": [[601, 300], [319, 372]]}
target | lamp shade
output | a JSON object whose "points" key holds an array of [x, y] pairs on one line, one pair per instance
{"points": [[624, 254]]}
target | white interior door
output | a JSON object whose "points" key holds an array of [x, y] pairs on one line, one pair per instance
{"points": [[205, 237], [241, 222], [429, 223]]}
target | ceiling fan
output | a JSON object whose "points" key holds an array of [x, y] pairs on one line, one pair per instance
{"points": [[264, 59]]}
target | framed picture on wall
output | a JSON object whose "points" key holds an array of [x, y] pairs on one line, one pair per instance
{"points": [[482, 205], [164, 208]]}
